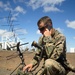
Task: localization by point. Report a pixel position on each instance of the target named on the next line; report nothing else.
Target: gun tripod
(16, 68)
(22, 61)
(21, 57)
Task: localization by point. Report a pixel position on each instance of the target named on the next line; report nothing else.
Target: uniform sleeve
(36, 57)
(59, 48)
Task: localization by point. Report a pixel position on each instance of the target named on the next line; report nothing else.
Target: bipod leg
(15, 69)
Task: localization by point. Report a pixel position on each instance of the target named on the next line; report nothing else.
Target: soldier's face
(43, 29)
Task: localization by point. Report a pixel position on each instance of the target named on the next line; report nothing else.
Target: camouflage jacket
(54, 46)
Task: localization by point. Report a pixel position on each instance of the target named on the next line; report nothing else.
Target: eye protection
(42, 29)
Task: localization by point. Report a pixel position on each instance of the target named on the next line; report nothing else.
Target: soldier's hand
(27, 67)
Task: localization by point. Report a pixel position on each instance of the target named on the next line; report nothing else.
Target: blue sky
(26, 13)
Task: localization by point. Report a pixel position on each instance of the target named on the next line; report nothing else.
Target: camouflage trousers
(52, 67)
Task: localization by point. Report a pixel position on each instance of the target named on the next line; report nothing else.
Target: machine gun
(22, 60)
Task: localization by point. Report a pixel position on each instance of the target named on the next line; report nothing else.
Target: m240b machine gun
(19, 71)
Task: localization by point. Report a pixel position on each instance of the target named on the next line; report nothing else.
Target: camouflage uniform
(54, 55)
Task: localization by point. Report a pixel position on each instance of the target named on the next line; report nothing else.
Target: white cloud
(34, 4)
(5, 6)
(14, 16)
(50, 8)
(48, 5)
(20, 9)
(38, 32)
(74, 37)
(21, 1)
(23, 31)
(5, 33)
(15, 11)
(70, 24)
(1, 4)
(2, 32)
(60, 30)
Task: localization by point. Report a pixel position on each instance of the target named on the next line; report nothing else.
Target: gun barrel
(36, 45)
(19, 45)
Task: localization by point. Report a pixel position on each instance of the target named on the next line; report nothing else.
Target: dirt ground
(9, 60)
